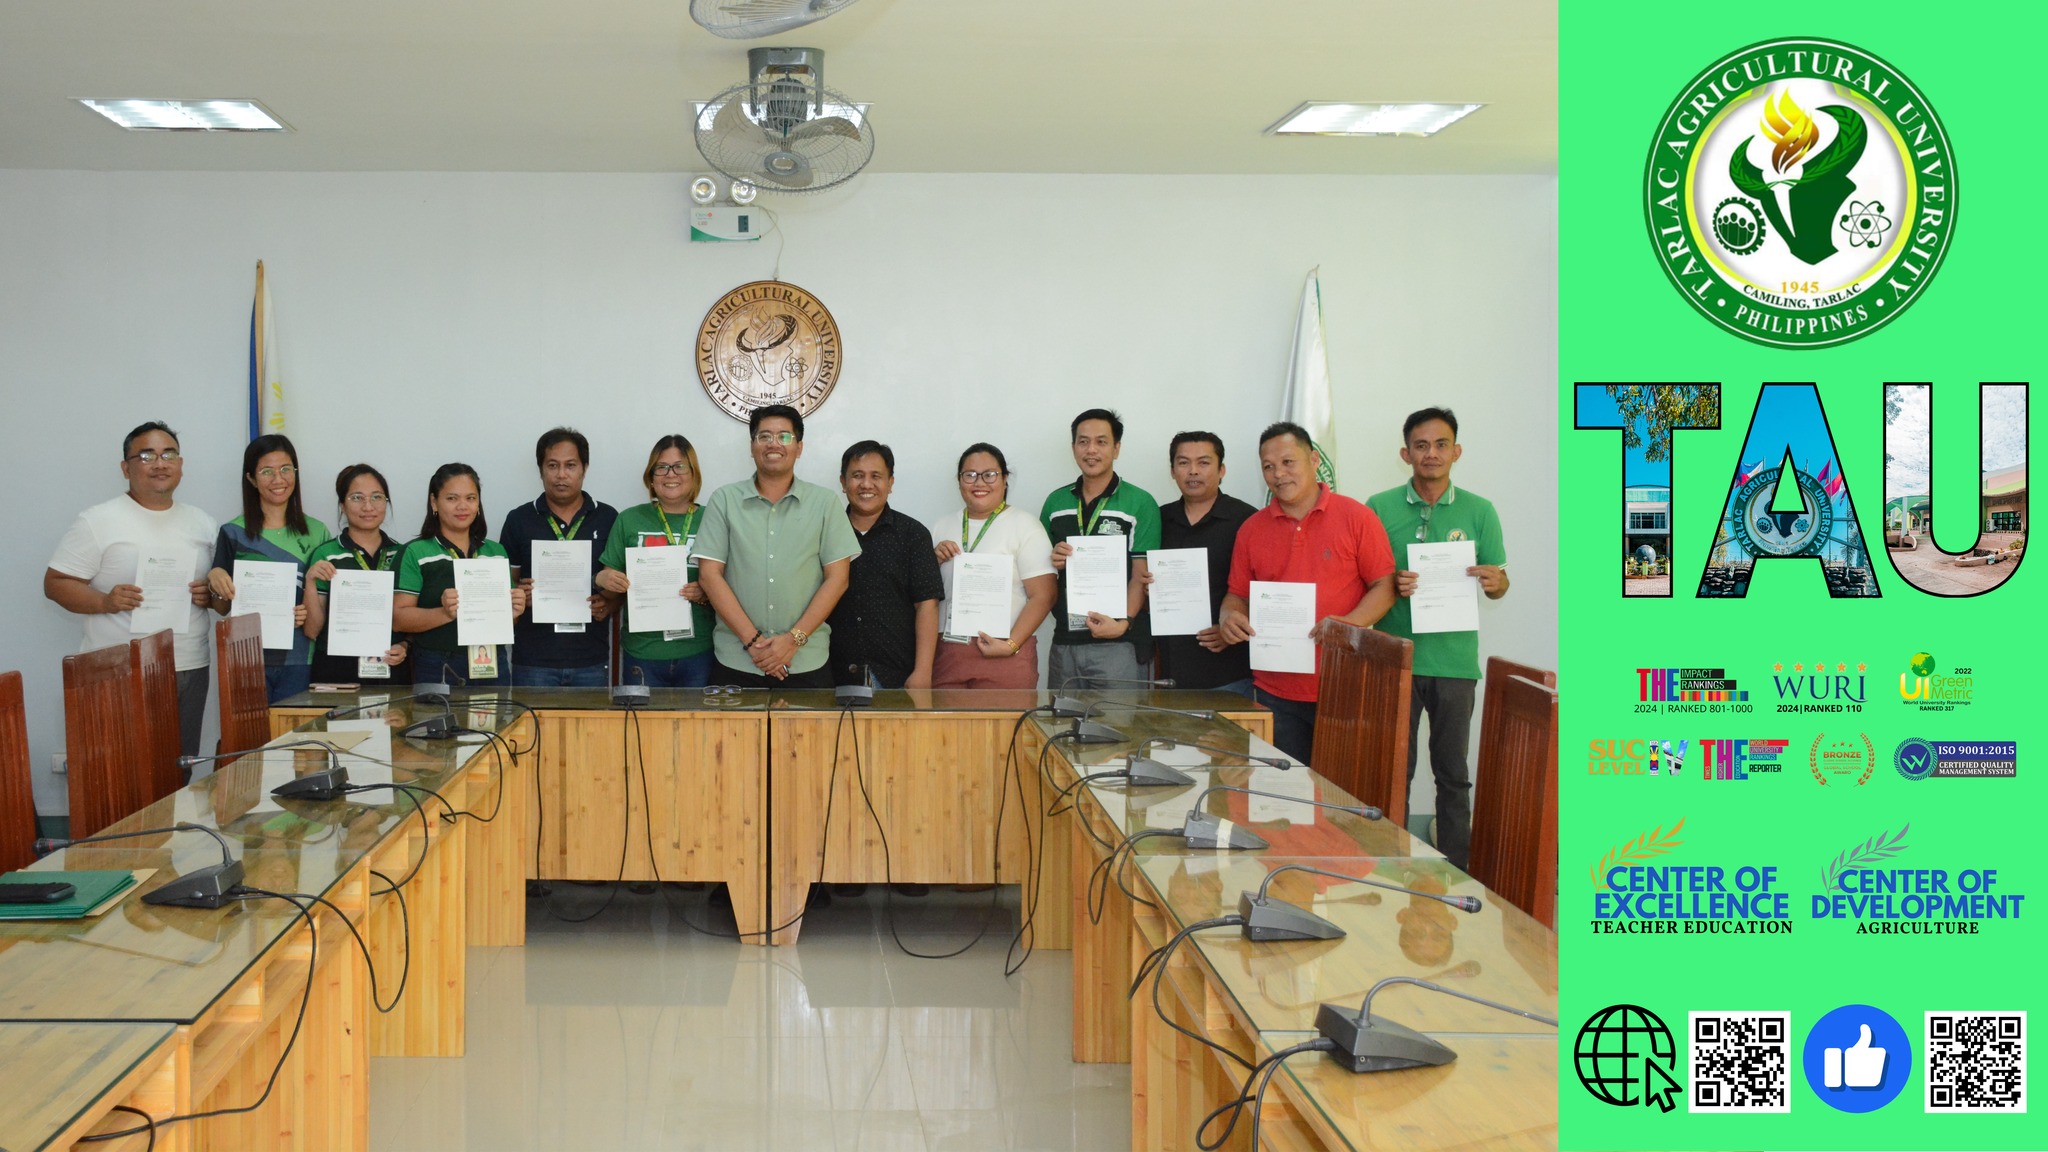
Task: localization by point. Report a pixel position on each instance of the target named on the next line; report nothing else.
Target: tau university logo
(1800, 193)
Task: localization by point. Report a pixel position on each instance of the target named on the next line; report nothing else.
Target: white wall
(427, 317)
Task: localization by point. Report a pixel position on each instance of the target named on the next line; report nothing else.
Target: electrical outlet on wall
(59, 763)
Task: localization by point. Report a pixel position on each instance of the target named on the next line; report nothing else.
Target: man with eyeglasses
(1430, 509)
(99, 572)
(1307, 535)
(774, 556)
(560, 655)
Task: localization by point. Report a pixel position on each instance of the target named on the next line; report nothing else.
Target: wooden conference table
(177, 1011)
(1259, 998)
(764, 791)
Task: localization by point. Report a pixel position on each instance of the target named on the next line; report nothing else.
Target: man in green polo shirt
(1108, 650)
(774, 555)
(1428, 509)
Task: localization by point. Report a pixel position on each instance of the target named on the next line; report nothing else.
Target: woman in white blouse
(990, 526)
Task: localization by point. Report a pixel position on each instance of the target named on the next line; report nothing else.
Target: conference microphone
(327, 784)
(433, 692)
(1280, 762)
(1267, 918)
(1368, 1045)
(1205, 831)
(1191, 713)
(212, 887)
(633, 695)
(1067, 706)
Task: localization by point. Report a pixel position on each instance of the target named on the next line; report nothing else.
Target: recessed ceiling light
(188, 115)
(1335, 118)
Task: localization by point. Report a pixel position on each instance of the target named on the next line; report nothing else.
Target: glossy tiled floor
(632, 1031)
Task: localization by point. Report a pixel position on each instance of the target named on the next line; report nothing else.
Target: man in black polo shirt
(1204, 517)
(560, 655)
(885, 630)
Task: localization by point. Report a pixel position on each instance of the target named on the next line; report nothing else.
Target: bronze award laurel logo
(768, 342)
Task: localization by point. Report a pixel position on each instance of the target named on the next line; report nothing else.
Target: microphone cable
(1154, 965)
(1262, 1072)
(625, 823)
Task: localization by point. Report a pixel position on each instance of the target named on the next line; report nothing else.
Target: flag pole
(258, 362)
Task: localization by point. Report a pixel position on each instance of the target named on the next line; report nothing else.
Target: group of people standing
(792, 585)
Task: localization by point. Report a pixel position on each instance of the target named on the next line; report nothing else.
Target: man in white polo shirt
(95, 570)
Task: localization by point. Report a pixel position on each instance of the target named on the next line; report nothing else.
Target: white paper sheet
(982, 589)
(483, 601)
(1097, 579)
(561, 582)
(165, 579)
(1179, 595)
(654, 590)
(269, 588)
(359, 613)
(1446, 599)
(1282, 614)
(1294, 782)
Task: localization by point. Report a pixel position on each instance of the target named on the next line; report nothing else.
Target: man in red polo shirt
(1307, 535)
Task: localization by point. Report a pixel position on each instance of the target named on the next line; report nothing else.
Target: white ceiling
(1140, 86)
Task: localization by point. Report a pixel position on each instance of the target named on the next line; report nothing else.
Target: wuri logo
(1800, 193)
(1921, 689)
(1819, 686)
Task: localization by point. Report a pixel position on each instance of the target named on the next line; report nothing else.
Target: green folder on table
(95, 889)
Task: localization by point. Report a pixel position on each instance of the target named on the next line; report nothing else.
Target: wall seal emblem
(768, 342)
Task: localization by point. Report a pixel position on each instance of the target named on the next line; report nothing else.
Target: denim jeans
(593, 676)
(1294, 725)
(688, 672)
(282, 681)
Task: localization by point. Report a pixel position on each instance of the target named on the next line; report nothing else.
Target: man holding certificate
(1101, 526)
(555, 544)
(1308, 556)
(885, 629)
(137, 564)
(1451, 549)
(1191, 571)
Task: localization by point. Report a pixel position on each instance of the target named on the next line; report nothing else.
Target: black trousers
(1448, 702)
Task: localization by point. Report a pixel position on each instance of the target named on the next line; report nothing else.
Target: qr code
(1739, 1062)
(1977, 1062)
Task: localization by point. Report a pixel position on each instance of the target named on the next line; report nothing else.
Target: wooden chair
(1514, 811)
(244, 698)
(104, 739)
(17, 793)
(154, 662)
(1362, 715)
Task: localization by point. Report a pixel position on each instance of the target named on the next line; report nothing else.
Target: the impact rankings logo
(1798, 194)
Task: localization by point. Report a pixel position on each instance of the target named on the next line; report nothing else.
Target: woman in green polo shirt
(363, 546)
(424, 603)
(663, 659)
(284, 535)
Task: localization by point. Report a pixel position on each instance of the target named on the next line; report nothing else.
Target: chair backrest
(1362, 715)
(17, 793)
(1499, 671)
(104, 742)
(1514, 814)
(154, 663)
(244, 699)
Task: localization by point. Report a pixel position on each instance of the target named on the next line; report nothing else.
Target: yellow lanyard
(689, 523)
(984, 526)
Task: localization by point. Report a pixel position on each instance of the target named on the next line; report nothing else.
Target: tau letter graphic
(1789, 500)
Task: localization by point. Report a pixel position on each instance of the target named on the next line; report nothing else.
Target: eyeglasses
(372, 499)
(988, 477)
(676, 469)
(1422, 529)
(151, 456)
(273, 473)
(765, 438)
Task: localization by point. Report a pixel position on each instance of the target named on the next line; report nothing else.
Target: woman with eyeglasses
(659, 659)
(989, 525)
(363, 546)
(425, 604)
(273, 527)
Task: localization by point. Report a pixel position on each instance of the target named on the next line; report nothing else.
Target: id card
(676, 634)
(483, 661)
(372, 668)
(570, 627)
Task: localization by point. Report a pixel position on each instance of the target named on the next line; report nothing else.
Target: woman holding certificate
(265, 565)
(371, 557)
(999, 578)
(454, 592)
(674, 652)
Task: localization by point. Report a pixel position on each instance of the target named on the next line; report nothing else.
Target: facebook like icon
(1857, 1058)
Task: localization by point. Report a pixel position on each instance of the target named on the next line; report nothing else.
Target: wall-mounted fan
(783, 130)
(753, 19)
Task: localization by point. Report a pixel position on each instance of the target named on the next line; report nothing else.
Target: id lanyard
(1101, 505)
(984, 526)
(689, 523)
(573, 527)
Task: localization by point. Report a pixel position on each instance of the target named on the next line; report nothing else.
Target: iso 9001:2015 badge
(1800, 193)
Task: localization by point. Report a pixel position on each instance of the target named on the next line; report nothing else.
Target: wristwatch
(802, 637)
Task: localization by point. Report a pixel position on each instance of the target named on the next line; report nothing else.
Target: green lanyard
(984, 526)
(571, 534)
(1101, 503)
(363, 559)
(453, 552)
(689, 523)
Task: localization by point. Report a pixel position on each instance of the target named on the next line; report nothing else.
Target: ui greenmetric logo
(1800, 193)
